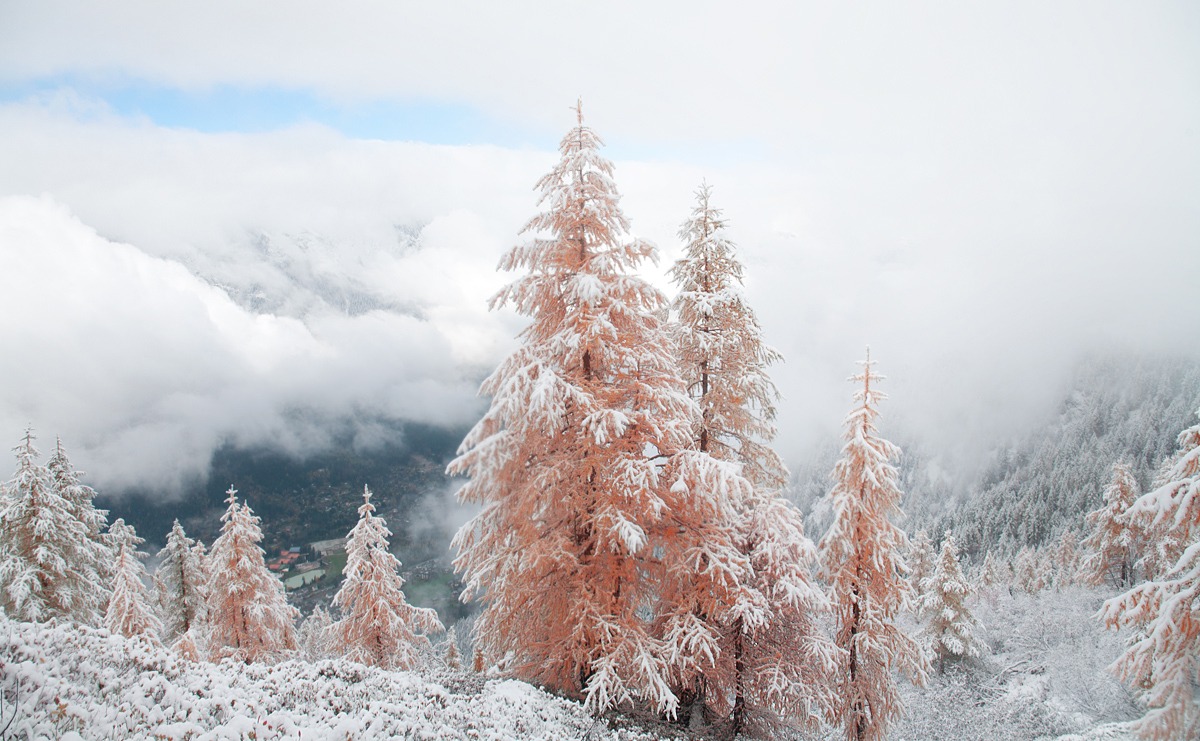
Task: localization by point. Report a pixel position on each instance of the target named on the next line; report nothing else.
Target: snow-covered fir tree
(1110, 550)
(49, 557)
(129, 612)
(179, 583)
(951, 627)
(315, 638)
(1162, 661)
(921, 565)
(249, 617)
(92, 557)
(378, 627)
(451, 655)
(568, 461)
(1065, 560)
(861, 559)
(771, 663)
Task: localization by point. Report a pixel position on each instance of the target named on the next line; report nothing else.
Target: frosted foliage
(314, 638)
(921, 565)
(951, 628)
(85, 683)
(1110, 550)
(179, 582)
(378, 627)
(1162, 660)
(860, 558)
(722, 357)
(249, 616)
(129, 611)
(54, 561)
(571, 500)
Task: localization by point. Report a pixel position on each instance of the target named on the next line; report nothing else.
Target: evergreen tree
(315, 637)
(1065, 557)
(860, 557)
(128, 611)
(92, 558)
(951, 627)
(1112, 545)
(47, 555)
(921, 565)
(378, 626)
(1162, 660)
(249, 618)
(451, 656)
(568, 462)
(769, 664)
(179, 582)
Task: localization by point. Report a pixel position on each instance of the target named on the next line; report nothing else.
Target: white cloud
(981, 193)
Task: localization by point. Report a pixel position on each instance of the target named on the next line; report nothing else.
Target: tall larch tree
(772, 663)
(921, 563)
(47, 555)
(378, 626)
(570, 460)
(249, 618)
(129, 612)
(1162, 660)
(861, 560)
(180, 585)
(1111, 548)
(951, 627)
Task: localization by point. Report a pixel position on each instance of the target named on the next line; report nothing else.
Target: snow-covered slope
(102, 686)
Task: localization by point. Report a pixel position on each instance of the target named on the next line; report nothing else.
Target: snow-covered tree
(770, 663)
(378, 627)
(48, 555)
(129, 612)
(722, 357)
(1065, 558)
(451, 656)
(1162, 660)
(92, 557)
(861, 559)
(951, 630)
(249, 617)
(179, 583)
(1111, 548)
(315, 638)
(921, 565)
(1031, 571)
(568, 461)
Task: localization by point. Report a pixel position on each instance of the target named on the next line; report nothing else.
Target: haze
(267, 224)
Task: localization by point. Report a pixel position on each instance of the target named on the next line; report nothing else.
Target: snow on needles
(102, 685)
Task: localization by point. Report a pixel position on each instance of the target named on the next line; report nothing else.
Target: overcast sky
(232, 221)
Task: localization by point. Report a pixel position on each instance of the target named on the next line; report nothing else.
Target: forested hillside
(1119, 409)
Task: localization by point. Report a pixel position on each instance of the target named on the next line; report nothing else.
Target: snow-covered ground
(101, 686)
(1044, 678)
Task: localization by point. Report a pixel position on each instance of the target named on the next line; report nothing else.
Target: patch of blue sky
(251, 110)
(226, 108)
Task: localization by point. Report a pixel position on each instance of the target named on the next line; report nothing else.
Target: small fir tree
(129, 612)
(315, 637)
(921, 565)
(1066, 560)
(249, 618)
(92, 557)
(179, 581)
(1111, 548)
(951, 630)
(1162, 660)
(861, 560)
(378, 626)
(451, 656)
(47, 556)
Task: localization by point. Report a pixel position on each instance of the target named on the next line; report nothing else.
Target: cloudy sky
(254, 222)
